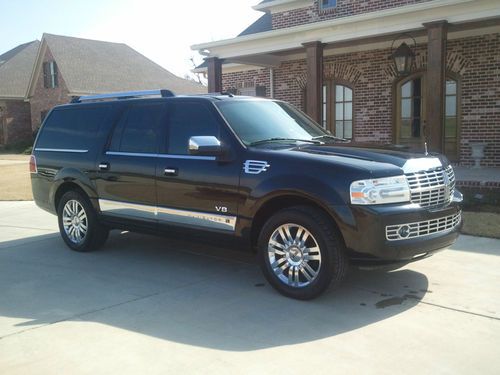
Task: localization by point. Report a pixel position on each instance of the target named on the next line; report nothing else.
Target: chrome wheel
(75, 221)
(294, 255)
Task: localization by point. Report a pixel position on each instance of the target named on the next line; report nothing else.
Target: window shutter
(56, 75)
(46, 75)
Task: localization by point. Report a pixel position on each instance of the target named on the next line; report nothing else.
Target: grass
(484, 224)
(15, 178)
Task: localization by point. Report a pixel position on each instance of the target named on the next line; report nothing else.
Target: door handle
(103, 166)
(171, 171)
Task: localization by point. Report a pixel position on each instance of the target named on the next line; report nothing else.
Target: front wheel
(300, 252)
(78, 223)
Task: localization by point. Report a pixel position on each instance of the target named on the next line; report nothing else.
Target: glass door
(410, 113)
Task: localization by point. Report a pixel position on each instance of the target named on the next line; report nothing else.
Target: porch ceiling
(273, 60)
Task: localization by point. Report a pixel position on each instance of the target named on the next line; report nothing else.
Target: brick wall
(475, 60)
(344, 8)
(15, 122)
(44, 99)
(480, 86)
(241, 80)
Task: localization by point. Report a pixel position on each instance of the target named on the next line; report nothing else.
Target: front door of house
(410, 129)
(410, 113)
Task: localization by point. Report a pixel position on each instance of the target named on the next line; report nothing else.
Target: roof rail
(123, 95)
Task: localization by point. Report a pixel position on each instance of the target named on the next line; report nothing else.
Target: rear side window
(72, 128)
(186, 120)
(138, 129)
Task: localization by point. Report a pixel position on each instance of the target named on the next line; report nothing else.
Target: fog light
(404, 231)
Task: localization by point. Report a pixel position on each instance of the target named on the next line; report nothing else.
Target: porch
(469, 177)
(341, 73)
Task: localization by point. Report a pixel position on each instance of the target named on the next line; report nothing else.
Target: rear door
(197, 191)
(126, 167)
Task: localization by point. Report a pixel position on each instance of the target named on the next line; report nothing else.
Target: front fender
(311, 189)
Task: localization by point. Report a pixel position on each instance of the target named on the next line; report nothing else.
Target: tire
(78, 223)
(301, 269)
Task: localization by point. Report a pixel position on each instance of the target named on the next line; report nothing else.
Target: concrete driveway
(147, 305)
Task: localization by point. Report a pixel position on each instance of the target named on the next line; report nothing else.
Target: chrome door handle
(171, 171)
(103, 166)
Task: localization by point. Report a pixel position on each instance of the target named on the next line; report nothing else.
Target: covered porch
(343, 73)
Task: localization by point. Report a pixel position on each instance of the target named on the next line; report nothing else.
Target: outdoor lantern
(403, 59)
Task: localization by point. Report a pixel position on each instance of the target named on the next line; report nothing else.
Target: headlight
(380, 191)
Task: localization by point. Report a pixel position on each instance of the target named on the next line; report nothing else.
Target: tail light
(33, 168)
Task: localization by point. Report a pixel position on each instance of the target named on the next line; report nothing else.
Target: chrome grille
(433, 187)
(421, 228)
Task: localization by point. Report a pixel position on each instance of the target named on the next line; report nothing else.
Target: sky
(161, 30)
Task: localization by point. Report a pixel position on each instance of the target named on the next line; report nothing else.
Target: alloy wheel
(294, 255)
(75, 221)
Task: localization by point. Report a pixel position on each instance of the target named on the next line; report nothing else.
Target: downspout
(271, 82)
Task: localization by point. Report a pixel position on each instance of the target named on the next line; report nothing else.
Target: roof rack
(124, 95)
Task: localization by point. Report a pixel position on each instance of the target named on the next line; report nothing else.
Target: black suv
(254, 170)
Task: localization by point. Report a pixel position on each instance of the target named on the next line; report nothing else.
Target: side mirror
(205, 145)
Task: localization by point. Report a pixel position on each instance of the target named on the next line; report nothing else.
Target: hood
(369, 152)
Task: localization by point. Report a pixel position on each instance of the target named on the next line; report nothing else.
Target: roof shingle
(264, 23)
(90, 66)
(15, 72)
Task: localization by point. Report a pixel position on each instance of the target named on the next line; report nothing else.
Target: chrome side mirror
(204, 145)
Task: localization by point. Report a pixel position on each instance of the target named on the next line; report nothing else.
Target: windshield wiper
(283, 139)
(338, 139)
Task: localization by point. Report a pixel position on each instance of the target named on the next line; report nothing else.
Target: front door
(410, 113)
(196, 191)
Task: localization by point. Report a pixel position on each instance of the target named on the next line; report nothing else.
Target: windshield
(258, 121)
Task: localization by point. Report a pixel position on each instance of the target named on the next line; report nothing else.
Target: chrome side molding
(163, 156)
(168, 215)
(61, 150)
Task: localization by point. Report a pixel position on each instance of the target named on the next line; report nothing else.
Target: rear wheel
(78, 223)
(300, 252)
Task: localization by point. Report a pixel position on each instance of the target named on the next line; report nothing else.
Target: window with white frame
(337, 109)
(328, 4)
(50, 75)
(343, 111)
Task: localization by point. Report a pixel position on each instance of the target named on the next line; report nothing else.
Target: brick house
(16, 66)
(36, 76)
(334, 59)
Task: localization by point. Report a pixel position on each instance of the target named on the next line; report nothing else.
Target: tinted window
(186, 120)
(72, 128)
(256, 120)
(138, 128)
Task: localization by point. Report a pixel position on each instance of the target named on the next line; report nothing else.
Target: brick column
(214, 74)
(436, 79)
(314, 52)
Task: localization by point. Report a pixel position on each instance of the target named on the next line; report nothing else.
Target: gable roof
(91, 67)
(264, 23)
(15, 71)
(14, 51)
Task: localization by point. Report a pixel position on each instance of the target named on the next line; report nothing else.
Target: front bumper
(376, 236)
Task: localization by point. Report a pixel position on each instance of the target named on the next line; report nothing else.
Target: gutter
(304, 29)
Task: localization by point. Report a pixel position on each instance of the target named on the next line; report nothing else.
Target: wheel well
(64, 188)
(276, 204)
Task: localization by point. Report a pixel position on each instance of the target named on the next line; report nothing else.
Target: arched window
(337, 109)
(410, 111)
(451, 118)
